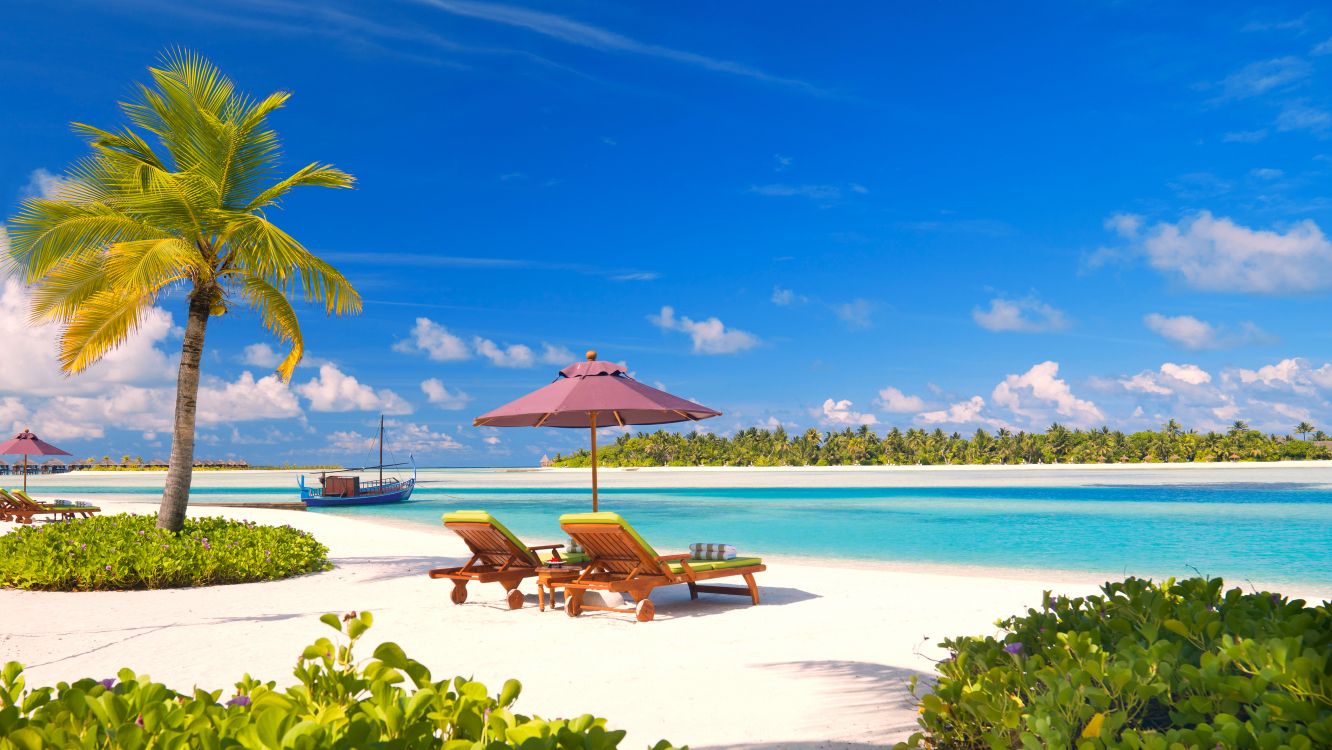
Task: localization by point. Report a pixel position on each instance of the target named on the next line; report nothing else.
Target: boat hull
(396, 495)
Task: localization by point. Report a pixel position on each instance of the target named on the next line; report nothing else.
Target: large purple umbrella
(27, 444)
(592, 393)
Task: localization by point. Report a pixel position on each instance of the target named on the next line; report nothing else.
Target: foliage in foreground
(1179, 664)
(865, 447)
(339, 703)
(126, 551)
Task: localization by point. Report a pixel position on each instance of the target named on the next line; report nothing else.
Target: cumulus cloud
(1218, 255)
(786, 297)
(1295, 374)
(709, 336)
(513, 355)
(246, 398)
(893, 400)
(556, 355)
(435, 340)
(841, 413)
(442, 397)
(336, 391)
(45, 184)
(261, 355)
(415, 439)
(1034, 393)
(961, 413)
(1029, 315)
(30, 364)
(1167, 380)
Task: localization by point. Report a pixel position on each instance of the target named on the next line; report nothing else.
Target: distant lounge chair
(621, 561)
(497, 556)
(19, 507)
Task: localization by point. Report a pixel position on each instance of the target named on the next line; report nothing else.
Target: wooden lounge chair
(497, 556)
(68, 511)
(18, 507)
(621, 561)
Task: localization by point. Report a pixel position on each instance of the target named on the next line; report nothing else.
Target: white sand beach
(823, 662)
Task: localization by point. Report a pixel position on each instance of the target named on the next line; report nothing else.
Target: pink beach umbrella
(27, 444)
(592, 393)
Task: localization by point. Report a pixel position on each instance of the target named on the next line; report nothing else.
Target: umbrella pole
(25, 473)
(594, 460)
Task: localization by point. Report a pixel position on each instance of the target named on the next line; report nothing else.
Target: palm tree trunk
(180, 470)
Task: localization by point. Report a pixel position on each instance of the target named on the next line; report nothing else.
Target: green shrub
(116, 552)
(339, 703)
(1145, 665)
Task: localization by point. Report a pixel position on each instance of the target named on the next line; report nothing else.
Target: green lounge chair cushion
(480, 516)
(701, 565)
(608, 518)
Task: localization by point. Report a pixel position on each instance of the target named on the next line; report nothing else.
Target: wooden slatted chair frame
(495, 559)
(18, 510)
(67, 512)
(619, 563)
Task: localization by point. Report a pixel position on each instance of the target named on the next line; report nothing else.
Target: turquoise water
(1261, 532)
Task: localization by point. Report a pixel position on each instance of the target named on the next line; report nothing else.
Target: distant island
(865, 447)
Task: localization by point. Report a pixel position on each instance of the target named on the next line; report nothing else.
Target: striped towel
(572, 547)
(703, 551)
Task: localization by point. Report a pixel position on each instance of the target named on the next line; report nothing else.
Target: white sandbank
(823, 662)
(1056, 475)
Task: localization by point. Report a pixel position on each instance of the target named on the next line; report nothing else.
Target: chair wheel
(645, 610)
(573, 605)
(515, 599)
(459, 594)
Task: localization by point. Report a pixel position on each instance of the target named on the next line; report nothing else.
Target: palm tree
(1239, 428)
(1303, 429)
(134, 225)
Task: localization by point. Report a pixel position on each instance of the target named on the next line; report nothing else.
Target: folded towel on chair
(710, 551)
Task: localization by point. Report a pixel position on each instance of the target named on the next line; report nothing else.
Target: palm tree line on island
(133, 225)
(865, 447)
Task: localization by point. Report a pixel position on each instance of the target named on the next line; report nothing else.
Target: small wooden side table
(550, 578)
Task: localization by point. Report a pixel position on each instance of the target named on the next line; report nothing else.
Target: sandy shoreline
(824, 661)
(1057, 475)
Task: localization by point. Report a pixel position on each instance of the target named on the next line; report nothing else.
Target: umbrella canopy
(27, 444)
(591, 394)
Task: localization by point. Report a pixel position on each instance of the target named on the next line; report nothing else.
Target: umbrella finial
(591, 355)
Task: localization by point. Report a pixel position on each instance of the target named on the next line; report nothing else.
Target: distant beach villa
(545, 462)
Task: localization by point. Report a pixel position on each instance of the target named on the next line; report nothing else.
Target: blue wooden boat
(338, 490)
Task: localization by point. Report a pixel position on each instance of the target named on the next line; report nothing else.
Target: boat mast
(381, 451)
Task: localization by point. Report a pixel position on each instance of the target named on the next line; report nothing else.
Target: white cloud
(44, 184)
(442, 397)
(1294, 374)
(1145, 382)
(709, 336)
(856, 313)
(491, 440)
(336, 391)
(1042, 385)
(841, 413)
(1191, 374)
(1267, 173)
(1264, 76)
(1301, 116)
(246, 399)
(514, 355)
(821, 193)
(1185, 330)
(435, 340)
(1195, 334)
(260, 355)
(1216, 254)
(962, 412)
(556, 355)
(409, 437)
(893, 400)
(786, 297)
(1029, 315)
(30, 364)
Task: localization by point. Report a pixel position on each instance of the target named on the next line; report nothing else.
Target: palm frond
(315, 175)
(278, 316)
(46, 231)
(60, 293)
(101, 323)
(148, 265)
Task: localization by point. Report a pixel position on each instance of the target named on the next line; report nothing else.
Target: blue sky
(940, 216)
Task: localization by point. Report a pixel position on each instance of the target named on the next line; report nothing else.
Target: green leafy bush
(1145, 665)
(339, 703)
(116, 552)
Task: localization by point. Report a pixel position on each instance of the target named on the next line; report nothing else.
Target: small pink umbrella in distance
(27, 444)
(592, 393)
